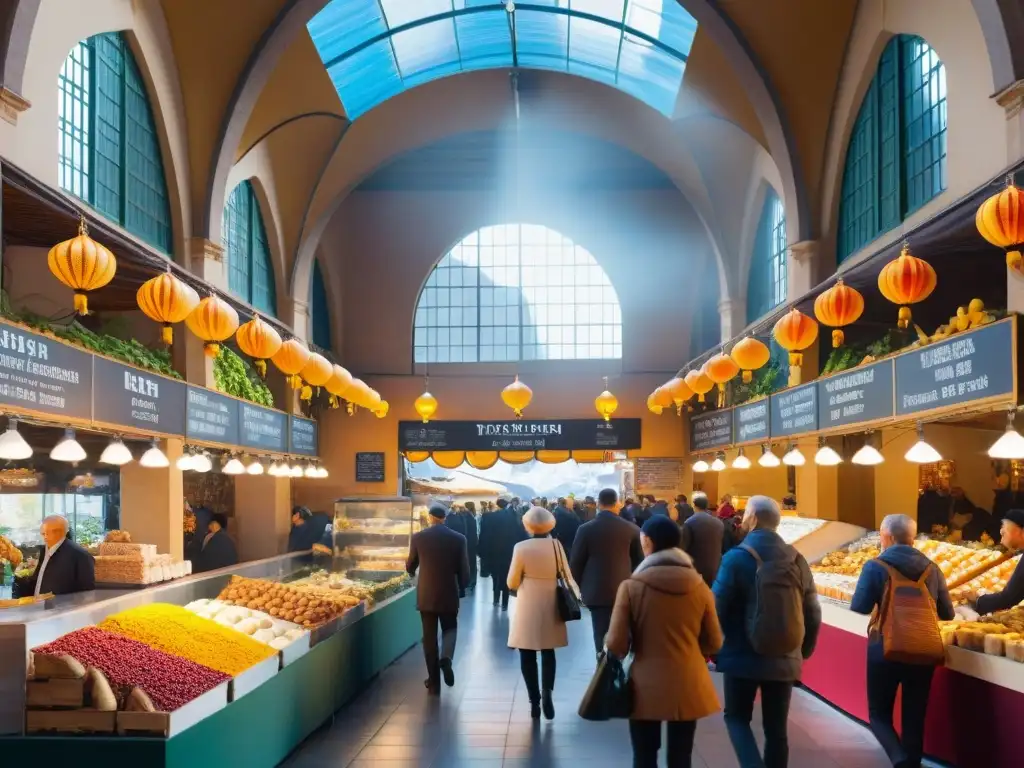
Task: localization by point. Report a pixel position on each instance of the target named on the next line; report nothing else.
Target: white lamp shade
(741, 462)
(255, 468)
(274, 470)
(717, 465)
(68, 448)
(296, 471)
(201, 462)
(154, 458)
(769, 459)
(116, 453)
(794, 458)
(310, 471)
(12, 445)
(700, 466)
(322, 472)
(868, 456)
(234, 467)
(185, 462)
(1009, 446)
(827, 457)
(922, 453)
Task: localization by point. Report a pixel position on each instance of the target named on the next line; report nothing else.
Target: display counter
(240, 721)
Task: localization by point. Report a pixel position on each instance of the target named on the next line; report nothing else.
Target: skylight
(375, 49)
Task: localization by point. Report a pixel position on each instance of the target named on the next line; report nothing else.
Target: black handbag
(610, 693)
(569, 608)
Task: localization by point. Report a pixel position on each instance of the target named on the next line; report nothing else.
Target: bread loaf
(139, 701)
(47, 667)
(100, 693)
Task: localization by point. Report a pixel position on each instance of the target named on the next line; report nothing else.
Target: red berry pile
(169, 680)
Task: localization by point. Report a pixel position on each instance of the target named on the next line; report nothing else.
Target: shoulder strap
(558, 560)
(753, 553)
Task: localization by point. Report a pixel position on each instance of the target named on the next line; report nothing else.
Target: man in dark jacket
(64, 567)
(702, 540)
(886, 677)
(745, 669)
(218, 550)
(497, 540)
(683, 510)
(566, 526)
(1011, 536)
(303, 535)
(440, 555)
(605, 553)
(463, 520)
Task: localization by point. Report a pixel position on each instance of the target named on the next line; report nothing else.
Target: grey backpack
(775, 620)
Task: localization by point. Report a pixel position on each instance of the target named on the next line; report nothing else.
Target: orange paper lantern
(82, 265)
(795, 332)
(426, 406)
(652, 406)
(290, 359)
(679, 391)
(1000, 220)
(663, 397)
(606, 403)
(165, 299)
(213, 321)
(838, 306)
(316, 373)
(338, 384)
(721, 368)
(699, 383)
(517, 396)
(906, 280)
(750, 354)
(259, 341)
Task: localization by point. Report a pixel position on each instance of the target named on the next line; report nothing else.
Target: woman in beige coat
(665, 614)
(536, 624)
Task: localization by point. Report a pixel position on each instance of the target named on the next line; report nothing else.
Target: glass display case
(372, 535)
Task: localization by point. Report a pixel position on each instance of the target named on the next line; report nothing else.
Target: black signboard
(795, 411)
(710, 430)
(370, 467)
(41, 374)
(750, 422)
(863, 394)
(135, 398)
(262, 428)
(969, 366)
(302, 436)
(211, 417)
(533, 435)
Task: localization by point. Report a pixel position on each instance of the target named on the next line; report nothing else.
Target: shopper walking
(605, 552)
(439, 554)
(536, 626)
(462, 519)
(702, 536)
(567, 524)
(901, 567)
(769, 612)
(683, 510)
(503, 531)
(665, 614)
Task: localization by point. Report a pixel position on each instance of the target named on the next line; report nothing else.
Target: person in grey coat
(604, 554)
(702, 539)
(744, 669)
(440, 555)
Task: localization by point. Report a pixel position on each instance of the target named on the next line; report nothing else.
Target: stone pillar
(295, 313)
(152, 502)
(206, 260)
(11, 105)
(802, 268)
(817, 487)
(1011, 99)
(262, 515)
(733, 317)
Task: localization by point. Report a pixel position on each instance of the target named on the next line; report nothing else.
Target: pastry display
(835, 585)
(261, 627)
(285, 601)
(370, 591)
(959, 564)
(989, 582)
(792, 529)
(9, 552)
(850, 560)
(380, 526)
(122, 561)
(173, 630)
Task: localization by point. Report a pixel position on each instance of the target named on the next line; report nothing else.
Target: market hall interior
(588, 197)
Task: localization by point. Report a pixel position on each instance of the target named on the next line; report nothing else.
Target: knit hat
(1015, 516)
(438, 511)
(662, 532)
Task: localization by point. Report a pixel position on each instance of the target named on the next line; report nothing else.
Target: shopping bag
(610, 694)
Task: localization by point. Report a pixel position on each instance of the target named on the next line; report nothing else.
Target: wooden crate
(70, 721)
(144, 723)
(56, 693)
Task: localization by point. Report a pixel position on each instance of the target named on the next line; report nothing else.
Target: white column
(802, 268)
(733, 316)
(1011, 99)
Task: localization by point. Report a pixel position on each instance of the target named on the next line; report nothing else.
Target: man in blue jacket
(1011, 535)
(886, 677)
(746, 670)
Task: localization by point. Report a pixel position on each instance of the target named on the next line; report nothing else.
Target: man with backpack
(769, 612)
(905, 653)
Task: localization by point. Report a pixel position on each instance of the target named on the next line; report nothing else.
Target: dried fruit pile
(172, 629)
(296, 604)
(170, 681)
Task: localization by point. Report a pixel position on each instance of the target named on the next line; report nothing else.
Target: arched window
(517, 292)
(108, 152)
(896, 159)
(766, 286)
(320, 316)
(250, 274)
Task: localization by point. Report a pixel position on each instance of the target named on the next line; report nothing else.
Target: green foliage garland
(236, 377)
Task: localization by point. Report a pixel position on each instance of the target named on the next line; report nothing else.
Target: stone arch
(16, 27)
(1002, 24)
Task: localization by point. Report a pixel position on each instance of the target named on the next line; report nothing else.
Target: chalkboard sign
(555, 435)
(969, 366)
(303, 436)
(211, 417)
(263, 428)
(863, 394)
(711, 430)
(794, 411)
(661, 478)
(131, 397)
(41, 374)
(370, 467)
(750, 422)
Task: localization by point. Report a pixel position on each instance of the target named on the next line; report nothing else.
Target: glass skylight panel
(484, 40)
(367, 78)
(344, 25)
(606, 9)
(542, 39)
(401, 12)
(426, 52)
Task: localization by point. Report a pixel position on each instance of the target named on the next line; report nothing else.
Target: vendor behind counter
(308, 528)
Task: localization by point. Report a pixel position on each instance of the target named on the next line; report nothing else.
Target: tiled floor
(484, 722)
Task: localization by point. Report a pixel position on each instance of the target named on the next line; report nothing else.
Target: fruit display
(173, 630)
(943, 533)
(9, 552)
(286, 601)
(959, 564)
(792, 529)
(261, 627)
(168, 680)
(991, 581)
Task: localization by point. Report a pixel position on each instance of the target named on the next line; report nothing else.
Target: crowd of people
(684, 589)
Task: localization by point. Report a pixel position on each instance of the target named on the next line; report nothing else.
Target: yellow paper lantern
(290, 359)
(653, 406)
(1000, 220)
(417, 457)
(82, 265)
(260, 341)
(553, 457)
(906, 280)
(517, 396)
(166, 300)
(679, 391)
(699, 383)
(839, 306)
(663, 397)
(338, 384)
(316, 373)
(606, 403)
(795, 332)
(516, 457)
(213, 321)
(359, 394)
(426, 406)
(382, 409)
(750, 354)
(448, 459)
(721, 369)
(481, 459)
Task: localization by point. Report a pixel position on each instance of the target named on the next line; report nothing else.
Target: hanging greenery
(852, 355)
(236, 377)
(765, 381)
